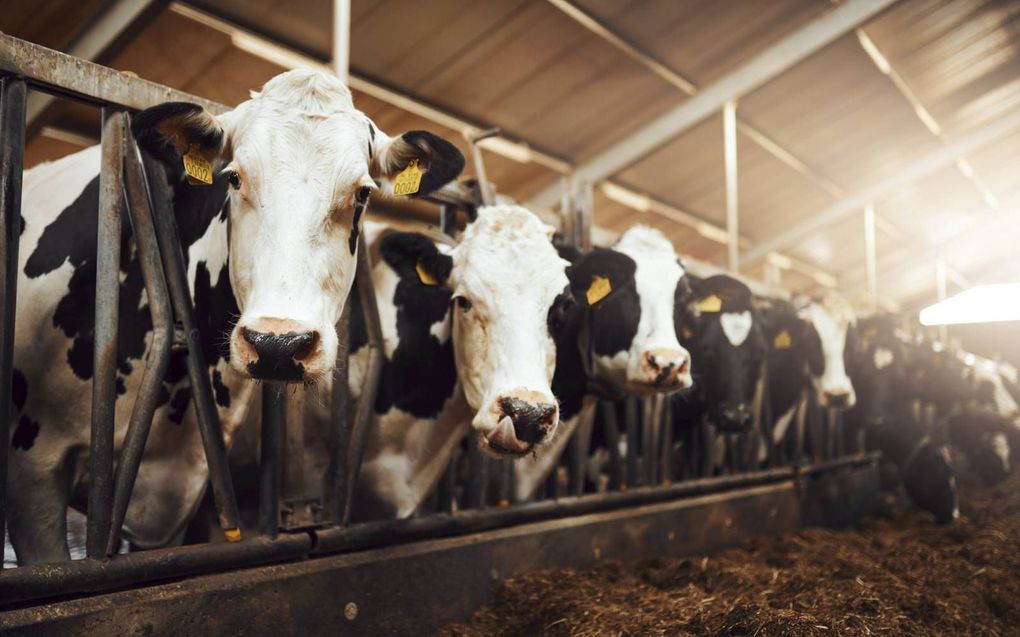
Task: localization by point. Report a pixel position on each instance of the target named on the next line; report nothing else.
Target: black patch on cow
(221, 390)
(614, 319)
(185, 119)
(71, 238)
(569, 383)
(352, 242)
(23, 226)
(371, 138)
(440, 159)
(420, 375)
(179, 404)
(25, 433)
(788, 367)
(19, 389)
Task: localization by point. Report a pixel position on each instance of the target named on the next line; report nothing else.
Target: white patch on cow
(656, 277)
(440, 330)
(736, 326)
(1001, 447)
(1005, 405)
(509, 271)
(831, 319)
(883, 357)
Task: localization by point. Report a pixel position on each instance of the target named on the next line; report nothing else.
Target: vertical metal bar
(504, 480)
(104, 361)
(478, 483)
(630, 417)
(341, 38)
(366, 401)
(585, 203)
(447, 488)
(270, 474)
(335, 480)
(198, 371)
(484, 187)
(552, 483)
(611, 429)
(158, 298)
(567, 210)
(666, 443)
(870, 256)
(447, 219)
(12, 149)
(732, 216)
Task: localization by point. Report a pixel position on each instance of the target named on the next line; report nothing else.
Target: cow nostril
(305, 345)
(531, 421)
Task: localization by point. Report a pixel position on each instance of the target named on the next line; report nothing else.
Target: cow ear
(438, 159)
(169, 131)
(415, 256)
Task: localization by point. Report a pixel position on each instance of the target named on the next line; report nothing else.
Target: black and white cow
(833, 319)
(469, 335)
(719, 327)
(270, 249)
(912, 457)
(620, 339)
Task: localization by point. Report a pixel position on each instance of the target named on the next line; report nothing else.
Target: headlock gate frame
(388, 568)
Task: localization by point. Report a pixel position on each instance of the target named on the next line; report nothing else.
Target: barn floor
(896, 576)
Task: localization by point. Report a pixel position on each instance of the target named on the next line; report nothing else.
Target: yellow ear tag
(598, 290)
(686, 332)
(782, 340)
(197, 167)
(710, 303)
(871, 333)
(408, 181)
(424, 275)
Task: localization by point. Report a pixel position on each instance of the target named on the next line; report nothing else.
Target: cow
(470, 333)
(620, 339)
(883, 413)
(833, 318)
(270, 248)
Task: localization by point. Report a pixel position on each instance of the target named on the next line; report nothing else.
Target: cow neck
(586, 347)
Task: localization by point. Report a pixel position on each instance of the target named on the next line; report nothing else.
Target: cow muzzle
(837, 399)
(663, 371)
(277, 349)
(523, 419)
(733, 418)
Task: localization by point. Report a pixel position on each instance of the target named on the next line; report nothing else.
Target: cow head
(931, 484)
(878, 369)
(630, 294)
(833, 319)
(509, 290)
(717, 323)
(301, 163)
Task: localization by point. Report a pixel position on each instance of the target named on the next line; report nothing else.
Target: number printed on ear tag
(598, 290)
(197, 168)
(408, 181)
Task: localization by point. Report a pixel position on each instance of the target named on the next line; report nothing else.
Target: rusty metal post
(104, 361)
(335, 480)
(270, 459)
(376, 357)
(12, 149)
(140, 214)
(198, 371)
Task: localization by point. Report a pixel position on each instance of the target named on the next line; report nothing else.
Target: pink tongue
(504, 436)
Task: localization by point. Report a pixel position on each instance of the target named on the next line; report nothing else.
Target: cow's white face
(506, 276)
(301, 163)
(833, 387)
(655, 361)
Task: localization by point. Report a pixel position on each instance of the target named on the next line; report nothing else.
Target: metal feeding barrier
(646, 477)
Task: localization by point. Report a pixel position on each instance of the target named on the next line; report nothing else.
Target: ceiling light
(980, 304)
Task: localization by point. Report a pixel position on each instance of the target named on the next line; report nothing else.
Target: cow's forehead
(507, 250)
(649, 246)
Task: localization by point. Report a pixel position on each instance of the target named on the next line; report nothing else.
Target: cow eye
(234, 179)
(462, 303)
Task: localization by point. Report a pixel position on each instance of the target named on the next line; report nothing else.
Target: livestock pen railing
(645, 475)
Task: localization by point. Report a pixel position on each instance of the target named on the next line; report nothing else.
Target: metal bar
(158, 298)
(335, 480)
(730, 160)
(630, 417)
(484, 187)
(478, 484)
(366, 401)
(104, 361)
(270, 457)
(447, 488)
(342, 38)
(924, 166)
(779, 57)
(611, 429)
(504, 481)
(870, 256)
(198, 371)
(666, 443)
(12, 132)
(54, 72)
